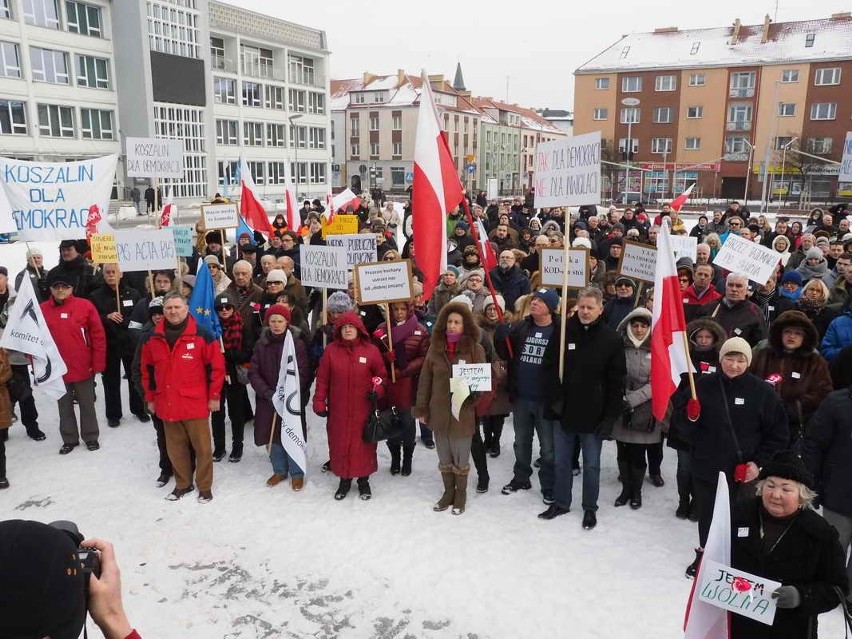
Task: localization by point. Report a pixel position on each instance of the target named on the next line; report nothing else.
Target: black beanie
(788, 465)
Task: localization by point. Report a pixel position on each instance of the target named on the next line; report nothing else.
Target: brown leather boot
(447, 498)
(460, 499)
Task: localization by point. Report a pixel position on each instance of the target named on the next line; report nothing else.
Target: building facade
(223, 80)
(747, 111)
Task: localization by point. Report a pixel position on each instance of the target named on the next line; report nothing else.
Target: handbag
(844, 605)
(242, 375)
(382, 424)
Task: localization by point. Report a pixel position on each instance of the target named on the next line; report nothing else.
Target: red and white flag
(703, 620)
(681, 199)
(250, 207)
(342, 200)
(486, 250)
(436, 191)
(669, 357)
(294, 220)
(96, 223)
(168, 209)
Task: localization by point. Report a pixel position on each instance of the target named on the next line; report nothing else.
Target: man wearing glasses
(735, 225)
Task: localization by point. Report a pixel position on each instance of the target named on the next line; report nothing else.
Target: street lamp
(295, 135)
(783, 163)
(629, 102)
(748, 171)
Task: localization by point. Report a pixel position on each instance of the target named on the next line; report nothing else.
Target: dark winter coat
(441, 296)
(805, 381)
(344, 379)
(827, 451)
(500, 403)
(80, 274)
(263, 377)
(517, 334)
(742, 319)
(808, 556)
(5, 400)
(821, 315)
(511, 284)
(433, 390)
(409, 354)
(38, 279)
(79, 335)
(616, 309)
(773, 306)
(247, 302)
(104, 298)
(759, 421)
(180, 381)
(838, 335)
(590, 397)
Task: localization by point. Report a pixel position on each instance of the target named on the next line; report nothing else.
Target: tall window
(630, 115)
(316, 103)
(298, 136)
(316, 138)
(224, 90)
(631, 84)
(374, 150)
(174, 29)
(253, 133)
(742, 84)
(374, 123)
(84, 19)
(10, 60)
(397, 150)
(56, 121)
(5, 12)
(661, 145)
(256, 170)
(273, 97)
(396, 121)
(826, 77)
(217, 53)
(601, 84)
(740, 113)
(96, 124)
(187, 124)
(823, 110)
(697, 79)
(353, 126)
(252, 94)
(256, 61)
(662, 115)
(226, 132)
(49, 65)
(301, 70)
(296, 100)
(92, 72)
(275, 135)
(41, 13)
(736, 144)
(665, 83)
(13, 117)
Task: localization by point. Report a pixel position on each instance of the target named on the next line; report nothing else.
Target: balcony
(737, 92)
(221, 63)
(308, 79)
(738, 125)
(740, 156)
(255, 69)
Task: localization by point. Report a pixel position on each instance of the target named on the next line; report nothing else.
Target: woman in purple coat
(263, 376)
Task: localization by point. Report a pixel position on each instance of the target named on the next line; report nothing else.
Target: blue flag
(202, 300)
(244, 228)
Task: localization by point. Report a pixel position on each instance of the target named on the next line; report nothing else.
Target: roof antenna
(776, 11)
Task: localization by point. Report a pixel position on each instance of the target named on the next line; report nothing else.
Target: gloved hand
(373, 396)
(693, 409)
(787, 597)
(379, 334)
(626, 407)
(390, 357)
(320, 410)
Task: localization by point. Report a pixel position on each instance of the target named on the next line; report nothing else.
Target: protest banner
(324, 266)
(737, 591)
(568, 171)
(51, 200)
(220, 216)
(478, 376)
(183, 239)
(579, 268)
(739, 255)
(154, 158)
(684, 246)
(341, 225)
(638, 261)
(845, 174)
(103, 248)
(145, 250)
(383, 282)
(360, 248)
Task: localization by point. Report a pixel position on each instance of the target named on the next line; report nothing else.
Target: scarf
(816, 272)
(232, 332)
(452, 344)
(174, 331)
(633, 339)
(810, 307)
(792, 295)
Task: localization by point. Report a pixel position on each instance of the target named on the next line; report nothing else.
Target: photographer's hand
(105, 604)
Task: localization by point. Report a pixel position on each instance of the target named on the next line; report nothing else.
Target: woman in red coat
(345, 392)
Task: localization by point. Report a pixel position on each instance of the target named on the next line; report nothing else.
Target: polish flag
(294, 220)
(95, 223)
(343, 199)
(168, 208)
(486, 250)
(250, 207)
(669, 357)
(681, 199)
(436, 191)
(705, 621)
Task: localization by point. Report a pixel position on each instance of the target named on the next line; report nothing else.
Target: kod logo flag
(51, 200)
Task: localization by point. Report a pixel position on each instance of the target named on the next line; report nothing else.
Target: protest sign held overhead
(741, 256)
(324, 266)
(568, 171)
(384, 282)
(51, 200)
(140, 250)
(220, 216)
(103, 248)
(638, 261)
(154, 158)
(360, 248)
(341, 225)
(552, 270)
(183, 239)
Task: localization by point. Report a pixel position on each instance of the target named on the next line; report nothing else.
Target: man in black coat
(115, 302)
(509, 280)
(739, 316)
(72, 265)
(589, 400)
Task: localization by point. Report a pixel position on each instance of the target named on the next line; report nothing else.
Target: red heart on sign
(741, 584)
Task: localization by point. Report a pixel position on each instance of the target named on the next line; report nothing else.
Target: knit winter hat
(156, 305)
(549, 297)
(463, 299)
(451, 269)
(813, 254)
(583, 242)
(189, 280)
(787, 465)
(213, 237)
(500, 302)
(736, 345)
(338, 302)
(792, 276)
(212, 259)
(461, 224)
(276, 275)
(277, 309)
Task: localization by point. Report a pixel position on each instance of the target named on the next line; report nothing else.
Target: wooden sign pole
(388, 322)
(563, 316)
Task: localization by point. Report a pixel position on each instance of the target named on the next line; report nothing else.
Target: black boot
(682, 511)
(236, 452)
(692, 568)
(395, 452)
(364, 488)
(343, 489)
(623, 477)
(407, 454)
(637, 476)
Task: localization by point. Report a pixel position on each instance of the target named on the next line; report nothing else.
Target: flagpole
(118, 295)
(324, 316)
(272, 433)
(689, 370)
(563, 317)
(30, 255)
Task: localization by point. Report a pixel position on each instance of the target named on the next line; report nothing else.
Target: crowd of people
(773, 364)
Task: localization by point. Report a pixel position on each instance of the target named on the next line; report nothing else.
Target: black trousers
(705, 498)
(234, 395)
(655, 458)
(116, 357)
(165, 462)
(406, 438)
(492, 428)
(478, 453)
(29, 412)
(3, 455)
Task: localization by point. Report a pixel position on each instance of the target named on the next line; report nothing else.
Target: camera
(90, 560)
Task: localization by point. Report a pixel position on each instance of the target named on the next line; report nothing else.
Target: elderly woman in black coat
(777, 535)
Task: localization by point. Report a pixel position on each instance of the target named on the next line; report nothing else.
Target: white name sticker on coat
(127, 303)
(796, 375)
(362, 360)
(742, 531)
(63, 315)
(737, 331)
(190, 346)
(572, 347)
(418, 333)
(739, 401)
(538, 335)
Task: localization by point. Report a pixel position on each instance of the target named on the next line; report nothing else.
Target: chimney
(766, 22)
(843, 15)
(400, 77)
(735, 36)
(368, 77)
(666, 30)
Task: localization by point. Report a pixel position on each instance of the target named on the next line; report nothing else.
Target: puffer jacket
(79, 335)
(838, 335)
(827, 449)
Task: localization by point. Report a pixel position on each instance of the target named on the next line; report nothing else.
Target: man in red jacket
(182, 375)
(76, 328)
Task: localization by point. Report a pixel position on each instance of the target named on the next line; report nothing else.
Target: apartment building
(745, 110)
(77, 78)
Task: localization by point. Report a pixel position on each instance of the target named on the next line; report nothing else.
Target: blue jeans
(590, 443)
(282, 463)
(528, 417)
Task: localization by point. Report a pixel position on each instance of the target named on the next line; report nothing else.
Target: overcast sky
(536, 44)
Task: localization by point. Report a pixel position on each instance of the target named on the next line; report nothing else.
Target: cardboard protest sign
(739, 255)
(360, 248)
(324, 266)
(638, 261)
(103, 248)
(183, 239)
(383, 282)
(341, 225)
(220, 216)
(739, 592)
(51, 200)
(684, 246)
(845, 174)
(552, 272)
(143, 250)
(154, 157)
(568, 171)
(478, 376)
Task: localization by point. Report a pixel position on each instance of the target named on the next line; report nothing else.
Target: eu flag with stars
(201, 301)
